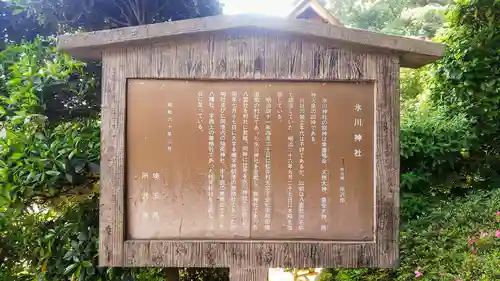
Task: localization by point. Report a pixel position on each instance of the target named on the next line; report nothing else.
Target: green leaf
(81, 274)
(79, 167)
(17, 11)
(77, 273)
(17, 155)
(90, 270)
(82, 236)
(40, 136)
(68, 255)
(72, 154)
(69, 177)
(70, 268)
(52, 173)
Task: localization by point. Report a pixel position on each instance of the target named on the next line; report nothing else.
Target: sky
(267, 7)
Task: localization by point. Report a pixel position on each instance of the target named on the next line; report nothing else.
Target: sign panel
(250, 160)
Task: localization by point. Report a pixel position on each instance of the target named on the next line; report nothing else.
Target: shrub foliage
(49, 161)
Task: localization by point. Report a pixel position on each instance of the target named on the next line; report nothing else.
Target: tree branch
(69, 190)
(122, 12)
(121, 23)
(137, 10)
(163, 6)
(66, 20)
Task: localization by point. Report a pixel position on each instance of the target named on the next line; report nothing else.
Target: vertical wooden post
(248, 274)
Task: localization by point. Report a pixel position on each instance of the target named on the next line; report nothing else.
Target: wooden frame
(248, 55)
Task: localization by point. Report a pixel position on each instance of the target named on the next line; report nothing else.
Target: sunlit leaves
(467, 80)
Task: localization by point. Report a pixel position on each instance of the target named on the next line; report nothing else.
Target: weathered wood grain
(250, 254)
(111, 207)
(250, 55)
(255, 56)
(414, 52)
(387, 168)
(248, 274)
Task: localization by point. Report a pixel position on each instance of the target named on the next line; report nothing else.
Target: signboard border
(115, 251)
(170, 83)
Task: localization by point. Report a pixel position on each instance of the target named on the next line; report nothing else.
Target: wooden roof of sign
(413, 53)
(313, 10)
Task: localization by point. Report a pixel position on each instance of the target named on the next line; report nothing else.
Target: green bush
(439, 245)
(48, 168)
(49, 155)
(36, 79)
(432, 147)
(467, 80)
(42, 157)
(49, 171)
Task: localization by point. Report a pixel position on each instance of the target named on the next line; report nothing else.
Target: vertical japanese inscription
(145, 194)
(256, 161)
(170, 112)
(358, 122)
(211, 151)
(312, 120)
(278, 123)
(267, 182)
(222, 156)
(199, 104)
(290, 164)
(234, 96)
(244, 155)
(279, 108)
(302, 118)
(324, 161)
(342, 183)
(156, 214)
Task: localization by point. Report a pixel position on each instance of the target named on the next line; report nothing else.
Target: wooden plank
(183, 63)
(308, 57)
(246, 56)
(249, 254)
(248, 274)
(387, 147)
(193, 57)
(139, 62)
(88, 45)
(259, 44)
(111, 231)
(164, 59)
(233, 61)
(254, 56)
(257, 57)
(139, 254)
(270, 58)
(132, 69)
(144, 61)
(219, 56)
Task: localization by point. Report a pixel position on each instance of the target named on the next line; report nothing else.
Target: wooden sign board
(250, 160)
(249, 142)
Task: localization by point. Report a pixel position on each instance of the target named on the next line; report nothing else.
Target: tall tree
(15, 25)
(403, 17)
(467, 80)
(103, 14)
(49, 169)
